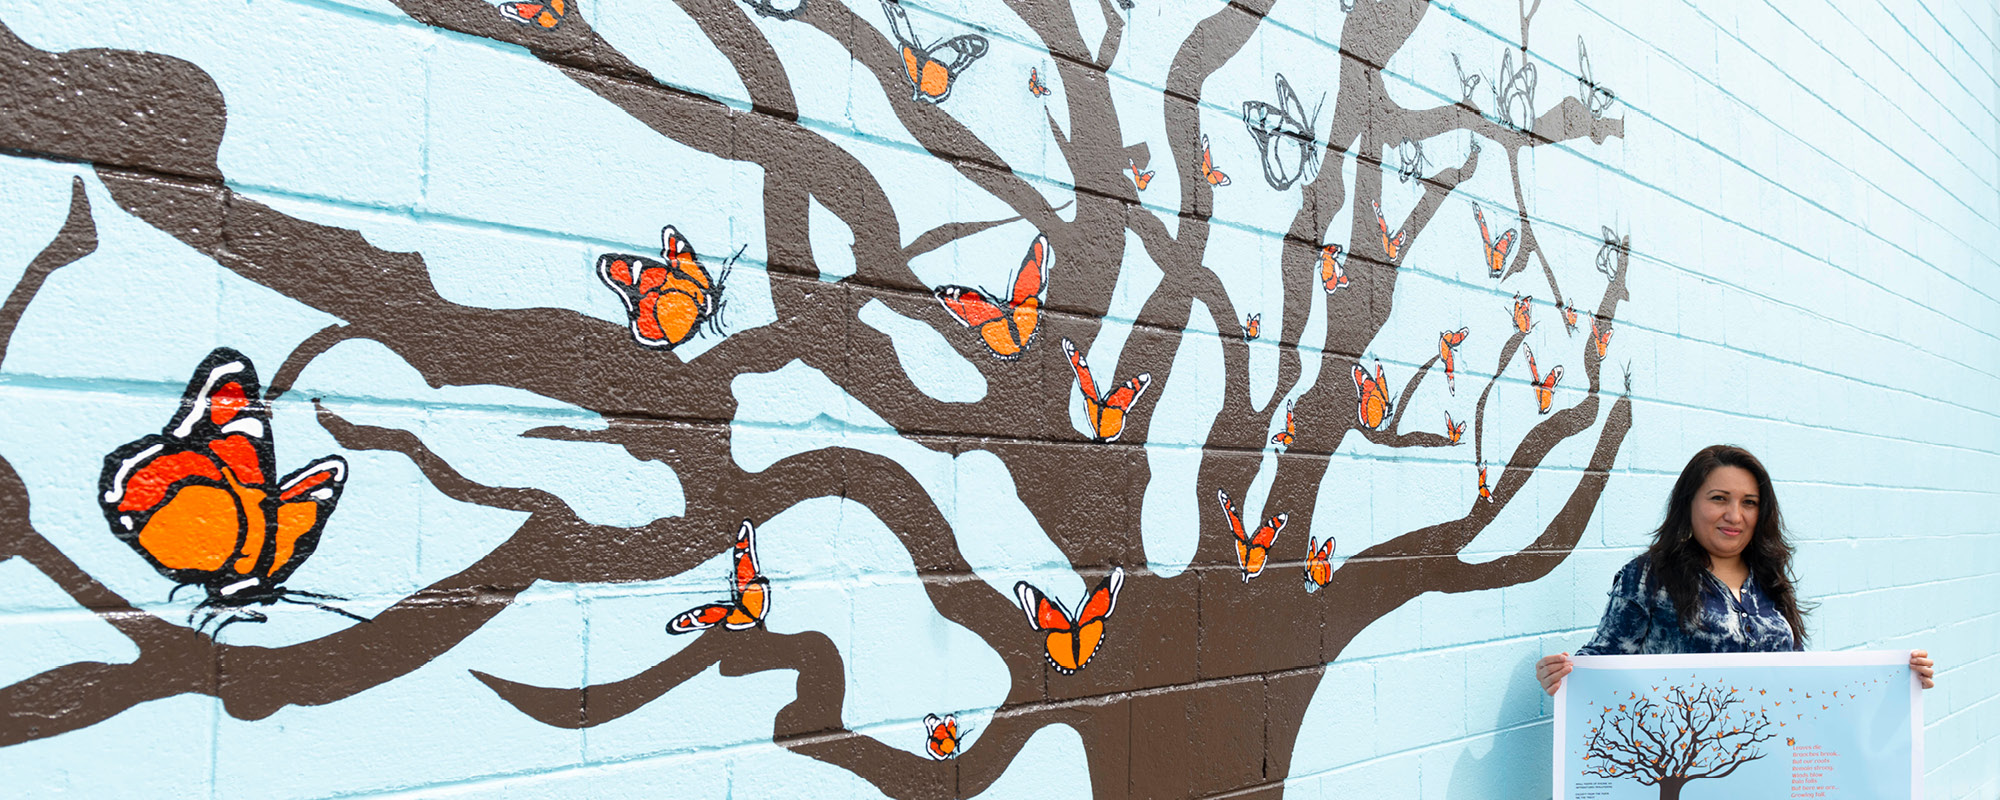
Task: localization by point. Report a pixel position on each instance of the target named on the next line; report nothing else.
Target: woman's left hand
(1920, 663)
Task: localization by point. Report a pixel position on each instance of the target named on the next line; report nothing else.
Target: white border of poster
(1697, 662)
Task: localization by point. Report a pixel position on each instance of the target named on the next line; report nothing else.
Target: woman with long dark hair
(1717, 579)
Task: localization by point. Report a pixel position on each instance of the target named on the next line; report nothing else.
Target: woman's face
(1725, 511)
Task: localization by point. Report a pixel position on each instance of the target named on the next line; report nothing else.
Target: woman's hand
(1551, 669)
(1920, 663)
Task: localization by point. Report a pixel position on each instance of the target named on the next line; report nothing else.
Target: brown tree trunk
(1670, 789)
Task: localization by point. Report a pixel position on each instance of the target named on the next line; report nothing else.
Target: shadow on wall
(1515, 761)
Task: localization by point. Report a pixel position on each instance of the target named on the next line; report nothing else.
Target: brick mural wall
(854, 398)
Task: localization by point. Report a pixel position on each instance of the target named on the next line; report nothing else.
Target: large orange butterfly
(1523, 313)
(1332, 268)
(930, 76)
(1253, 550)
(1600, 335)
(1319, 563)
(1291, 430)
(1453, 430)
(942, 735)
(1545, 387)
(1391, 245)
(1448, 341)
(547, 14)
(202, 503)
(1372, 397)
(1106, 412)
(1035, 85)
(1140, 178)
(749, 593)
(1071, 640)
(1496, 250)
(667, 301)
(1208, 171)
(1006, 329)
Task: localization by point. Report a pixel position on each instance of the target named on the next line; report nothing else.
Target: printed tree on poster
(1689, 734)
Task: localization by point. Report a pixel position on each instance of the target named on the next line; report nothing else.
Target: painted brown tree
(1686, 735)
(1207, 673)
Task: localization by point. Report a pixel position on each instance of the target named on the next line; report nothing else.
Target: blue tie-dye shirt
(1640, 619)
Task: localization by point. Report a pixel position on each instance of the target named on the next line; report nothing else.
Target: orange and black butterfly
(1007, 327)
(1208, 171)
(1448, 343)
(1453, 430)
(1485, 493)
(1071, 640)
(670, 300)
(942, 735)
(1600, 335)
(201, 500)
(1291, 430)
(749, 593)
(1253, 327)
(1253, 550)
(1497, 250)
(1142, 179)
(1332, 268)
(1319, 563)
(1035, 85)
(1568, 309)
(1523, 313)
(1372, 398)
(1545, 387)
(931, 69)
(1790, 741)
(546, 14)
(1392, 245)
(1106, 412)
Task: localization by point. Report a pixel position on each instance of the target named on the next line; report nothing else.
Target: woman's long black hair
(1679, 560)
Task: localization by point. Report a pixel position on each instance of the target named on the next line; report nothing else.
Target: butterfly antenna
(240, 615)
(321, 606)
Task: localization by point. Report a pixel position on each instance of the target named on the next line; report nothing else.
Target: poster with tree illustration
(1774, 725)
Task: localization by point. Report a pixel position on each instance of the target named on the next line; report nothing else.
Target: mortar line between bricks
(1948, 34)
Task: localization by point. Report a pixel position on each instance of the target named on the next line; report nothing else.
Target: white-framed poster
(1766, 725)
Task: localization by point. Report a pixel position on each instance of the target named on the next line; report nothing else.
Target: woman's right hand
(1551, 669)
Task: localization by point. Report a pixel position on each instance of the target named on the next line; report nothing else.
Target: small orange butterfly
(1140, 178)
(1522, 321)
(931, 77)
(1391, 245)
(1253, 326)
(1106, 412)
(669, 301)
(1319, 563)
(1545, 387)
(1448, 341)
(1496, 250)
(1285, 436)
(1007, 327)
(1568, 309)
(1372, 397)
(942, 735)
(1035, 85)
(1453, 430)
(749, 590)
(1208, 171)
(545, 14)
(1600, 334)
(1790, 741)
(1070, 641)
(1332, 268)
(1252, 550)
(1485, 493)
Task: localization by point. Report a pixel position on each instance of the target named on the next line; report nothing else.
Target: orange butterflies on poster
(1332, 268)
(1106, 412)
(1453, 430)
(1392, 246)
(1291, 430)
(1319, 563)
(1372, 397)
(1007, 327)
(1253, 550)
(1069, 640)
(749, 593)
(1448, 343)
(1253, 327)
(1600, 335)
(202, 503)
(544, 14)
(1141, 178)
(1522, 313)
(1568, 309)
(1496, 249)
(668, 301)
(1035, 85)
(1485, 493)
(1790, 741)
(1545, 386)
(942, 735)
(931, 69)
(1208, 171)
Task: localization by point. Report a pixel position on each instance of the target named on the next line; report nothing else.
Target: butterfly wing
(1090, 397)
(1031, 290)
(1496, 252)
(1332, 267)
(1049, 617)
(1095, 609)
(1208, 171)
(1253, 554)
(753, 601)
(971, 307)
(934, 76)
(1112, 411)
(305, 499)
(546, 15)
(700, 618)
